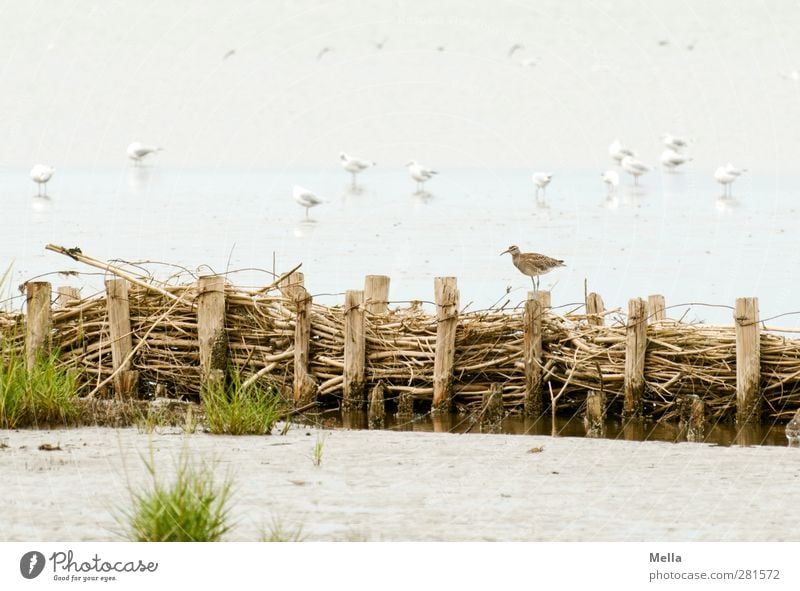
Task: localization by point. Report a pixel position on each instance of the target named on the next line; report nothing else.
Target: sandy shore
(383, 485)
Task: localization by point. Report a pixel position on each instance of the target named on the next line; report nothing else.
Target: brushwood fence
(145, 338)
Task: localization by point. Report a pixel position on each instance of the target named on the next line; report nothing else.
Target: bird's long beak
(505, 251)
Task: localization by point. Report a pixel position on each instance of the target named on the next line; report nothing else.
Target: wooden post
(532, 354)
(213, 339)
(544, 299)
(447, 317)
(376, 294)
(293, 285)
(305, 386)
(39, 322)
(377, 411)
(492, 410)
(66, 295)
(748, 361)
(692, 418)
(594, 307)
(119, 325)
(635, 346)
(354, 351)
(594, 421)
(405, 405)
(657, 308)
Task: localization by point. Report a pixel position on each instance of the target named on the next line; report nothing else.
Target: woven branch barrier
(578, 353)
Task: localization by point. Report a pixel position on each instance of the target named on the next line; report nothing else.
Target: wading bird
(306, 198)
(419, 173)
(354, 165)
(725, 175)
(138, 151)
(40, 174)
(541, 180)
(532, 264)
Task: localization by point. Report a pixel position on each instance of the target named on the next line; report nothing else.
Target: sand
(393, 486)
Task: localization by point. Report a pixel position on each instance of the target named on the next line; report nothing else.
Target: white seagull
(675, 142)
(40, 174)
(354, 165)
(137, 151)
(541, 180)
(634, 167)
(617, 151)
(611, 179)
(726, 174)
(671, 159)
(306, 198)
(419, 173)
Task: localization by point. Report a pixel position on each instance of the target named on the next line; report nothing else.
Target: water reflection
(631, 430)
(726, 204)
(304, 228)
(41, 202)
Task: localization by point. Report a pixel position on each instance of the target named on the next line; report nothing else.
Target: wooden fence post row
(532, 354)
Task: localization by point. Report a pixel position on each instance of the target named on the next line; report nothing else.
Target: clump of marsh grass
(191, 508)
(319, 447)
(45, 395)
(235, 408)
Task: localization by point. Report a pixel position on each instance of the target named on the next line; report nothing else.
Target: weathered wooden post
(595, 309)
(492, 410)
(657, 308)
(377, 410)
(594, 421)
(532, 354)
(544, 299)
(39, 321)
(119, 325)
(67, 294)
(376, 294)
(446, 291)
(305, 386)
(211, 335)
(354, 351)
(692, 418)
(635, 346)
(748, 361)
(405, 405)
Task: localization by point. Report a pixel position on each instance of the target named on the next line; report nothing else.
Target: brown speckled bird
(793, 429)
(532, 264)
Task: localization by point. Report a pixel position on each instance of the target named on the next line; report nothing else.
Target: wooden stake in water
(376, 294)
(446, 291)
(532, 354)
(657, 308)
(67, 294)
(594, 421)
(595, 309)
(213, 340)
(635, 347)
(39, 322)
(119, 324)
(492, 410)
(354, 351)
(748, 361)
(377, 410)
(305, 386)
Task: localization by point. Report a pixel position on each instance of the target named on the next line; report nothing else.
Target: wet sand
(392, 486)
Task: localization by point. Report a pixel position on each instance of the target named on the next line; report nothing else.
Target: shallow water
(674, 235)
(719, 434)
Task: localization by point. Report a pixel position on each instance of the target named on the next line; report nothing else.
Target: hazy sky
(79, 80)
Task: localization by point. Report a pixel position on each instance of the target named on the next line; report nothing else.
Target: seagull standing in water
(40, 174)
(634, 167)
(671, 159)
(137, 152)
(419, 173)
(674, 142)
(354, 165)
(617, 151)
(725, 175)
(306, 198)
(611, 179)
(541, 180)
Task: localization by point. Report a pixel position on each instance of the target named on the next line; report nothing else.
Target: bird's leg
(354, 179)
(533, 283)
(635, 179)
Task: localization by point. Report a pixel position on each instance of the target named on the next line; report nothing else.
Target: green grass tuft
(279, 532)
(45, 395)
(193, 508)
(233, 409)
